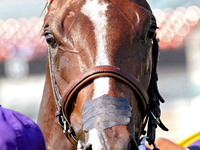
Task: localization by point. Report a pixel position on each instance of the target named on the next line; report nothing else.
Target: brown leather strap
(104, 71)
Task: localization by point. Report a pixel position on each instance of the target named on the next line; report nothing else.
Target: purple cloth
(18, 132)
(196, 143)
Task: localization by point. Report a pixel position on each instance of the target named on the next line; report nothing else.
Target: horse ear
(143, 3)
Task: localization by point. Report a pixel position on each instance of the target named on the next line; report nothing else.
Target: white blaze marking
(94, 140)
(95, 10)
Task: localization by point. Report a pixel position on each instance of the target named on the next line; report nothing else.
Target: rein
(150, 99)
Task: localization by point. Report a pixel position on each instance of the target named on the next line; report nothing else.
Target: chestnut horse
(101, 80)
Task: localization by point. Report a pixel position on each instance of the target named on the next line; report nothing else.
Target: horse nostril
(132, 145)
(88, 147)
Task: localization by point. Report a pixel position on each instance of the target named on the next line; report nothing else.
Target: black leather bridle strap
(154, 98)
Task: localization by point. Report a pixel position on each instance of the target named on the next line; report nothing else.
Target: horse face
(89, 33)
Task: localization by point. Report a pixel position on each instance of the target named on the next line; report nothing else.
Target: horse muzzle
(131, 145)
(106, 119)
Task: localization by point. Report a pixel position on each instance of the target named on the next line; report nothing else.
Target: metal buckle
(65, 128)
(155, 118)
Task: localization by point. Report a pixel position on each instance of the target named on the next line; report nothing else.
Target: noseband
(150, 99)
(105, 71)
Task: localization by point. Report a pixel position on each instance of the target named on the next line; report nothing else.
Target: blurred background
(23, 59)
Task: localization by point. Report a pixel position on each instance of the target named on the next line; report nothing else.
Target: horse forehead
(142, 3)
(97, 6)
(62, 15)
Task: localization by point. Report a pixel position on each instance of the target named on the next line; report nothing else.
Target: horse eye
(151, 34)
(50, 39)
(152, 30)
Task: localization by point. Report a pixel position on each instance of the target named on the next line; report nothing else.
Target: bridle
(150, 99)
(93, 73)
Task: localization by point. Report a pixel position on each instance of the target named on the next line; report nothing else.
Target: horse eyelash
(43, 34)
(154, 26)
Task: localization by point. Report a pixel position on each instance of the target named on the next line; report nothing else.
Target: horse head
(101, 75)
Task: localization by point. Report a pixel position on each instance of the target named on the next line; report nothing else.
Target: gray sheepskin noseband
(104, 112)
